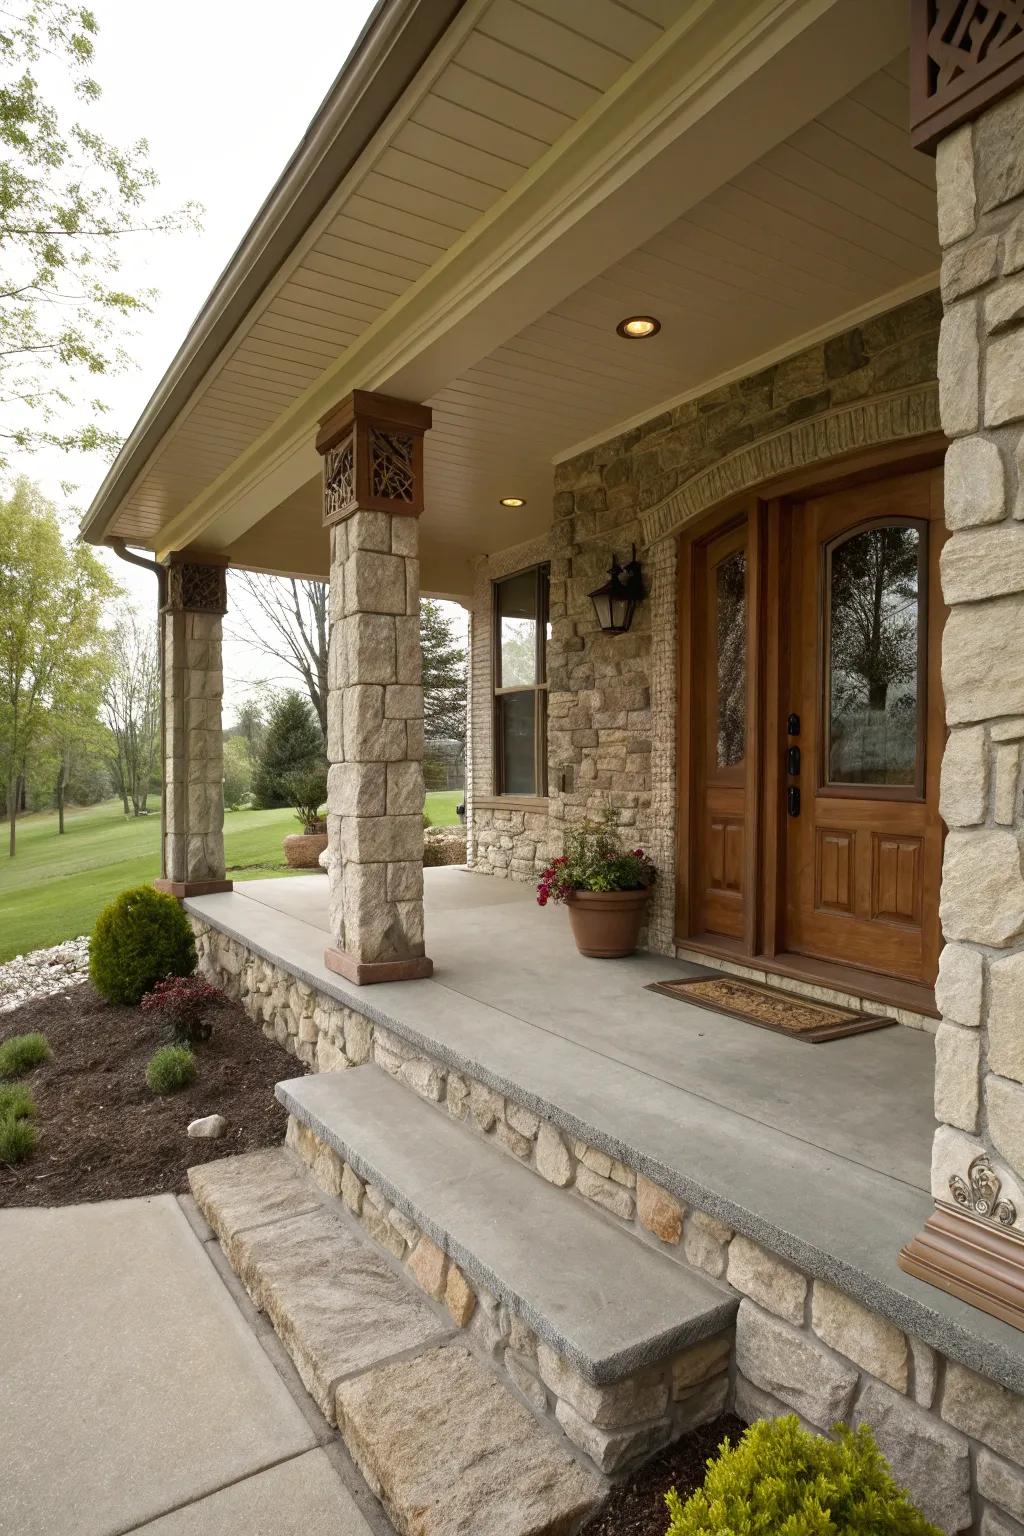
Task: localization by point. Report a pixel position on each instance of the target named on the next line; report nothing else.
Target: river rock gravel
(43, 972)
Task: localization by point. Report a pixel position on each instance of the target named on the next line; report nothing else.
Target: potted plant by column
(605, 887)
(307, 793)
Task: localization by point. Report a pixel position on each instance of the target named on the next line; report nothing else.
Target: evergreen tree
(444, 675)
(293, 745)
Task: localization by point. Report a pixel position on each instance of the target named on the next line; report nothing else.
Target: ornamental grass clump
(141, 937)
(595, 860)
(184, 1004)
(780, 1478)
(17, 1135)
(171, 1069)
(21, 1053)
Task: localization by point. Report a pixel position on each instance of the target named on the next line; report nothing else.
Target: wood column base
(363, 973)
(974, 1260)
(181, 888)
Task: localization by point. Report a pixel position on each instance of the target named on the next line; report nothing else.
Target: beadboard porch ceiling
(776, 200)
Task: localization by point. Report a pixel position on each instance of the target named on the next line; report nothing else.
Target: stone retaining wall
(320, 1031)
(615, 1426)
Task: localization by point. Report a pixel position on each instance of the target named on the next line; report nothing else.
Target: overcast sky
(223, 92)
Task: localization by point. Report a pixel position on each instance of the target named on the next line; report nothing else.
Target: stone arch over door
(818, 440)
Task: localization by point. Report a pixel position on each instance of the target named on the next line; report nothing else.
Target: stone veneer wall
(979, 1087)
(611, 702)
(955, 1438)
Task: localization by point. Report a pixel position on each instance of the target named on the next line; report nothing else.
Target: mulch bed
(636, 1507)
(102, 1134)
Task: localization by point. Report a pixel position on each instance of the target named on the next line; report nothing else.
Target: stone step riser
(615, 1426)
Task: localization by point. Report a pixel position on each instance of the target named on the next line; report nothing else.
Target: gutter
(122, 551)
(396, 39)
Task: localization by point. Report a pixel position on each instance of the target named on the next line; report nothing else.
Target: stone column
(372, 499)
(193, 743)
(978, 1156)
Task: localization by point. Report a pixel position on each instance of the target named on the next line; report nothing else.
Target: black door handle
(793, 761)
(793, 725)
(793, 800)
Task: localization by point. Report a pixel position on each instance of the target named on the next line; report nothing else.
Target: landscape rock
(420, 1429)
(208, 1128)
(43, 972)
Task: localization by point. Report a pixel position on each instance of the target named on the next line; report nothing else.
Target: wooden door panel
(896, 871)
(835, 872)
(863, 853)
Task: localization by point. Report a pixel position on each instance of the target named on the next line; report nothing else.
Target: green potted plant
(307, 793)
(605, 887)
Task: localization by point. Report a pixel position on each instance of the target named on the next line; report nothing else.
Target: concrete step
(605, 1303)
(444, 1444)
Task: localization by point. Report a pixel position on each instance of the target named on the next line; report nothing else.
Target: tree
(51, 645)
(237, 771)
(444, 675)
(251, 726)
(293, 745)
(131, 707)
(296, 632)
(66, 199)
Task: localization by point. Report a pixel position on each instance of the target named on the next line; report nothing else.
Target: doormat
(771, 1008)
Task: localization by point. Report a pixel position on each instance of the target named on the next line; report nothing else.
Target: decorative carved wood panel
(896, 871)
(964, 55)
(835, 870)
(725, 848)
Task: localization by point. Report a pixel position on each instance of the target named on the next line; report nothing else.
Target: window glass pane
(873, 646)
(518, 716)
(731, 653)
(517, 621)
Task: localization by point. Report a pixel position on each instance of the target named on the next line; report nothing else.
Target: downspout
(122, 551)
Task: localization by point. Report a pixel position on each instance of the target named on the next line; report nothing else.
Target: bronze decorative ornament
(979, 1193)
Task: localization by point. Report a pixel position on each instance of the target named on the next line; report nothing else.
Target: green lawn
(55, 887)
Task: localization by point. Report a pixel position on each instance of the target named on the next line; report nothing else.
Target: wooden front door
(863, 727)
(720, 694)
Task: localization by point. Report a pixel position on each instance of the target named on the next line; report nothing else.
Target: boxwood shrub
(780, 1478)
(141, 937)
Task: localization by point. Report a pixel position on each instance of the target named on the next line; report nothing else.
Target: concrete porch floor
(822, 1152)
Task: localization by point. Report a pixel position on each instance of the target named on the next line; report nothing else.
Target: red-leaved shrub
(184, 1003)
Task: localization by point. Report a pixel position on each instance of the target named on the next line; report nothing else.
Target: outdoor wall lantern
(615, 602)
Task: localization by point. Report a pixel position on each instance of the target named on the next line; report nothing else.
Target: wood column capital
(372, 448)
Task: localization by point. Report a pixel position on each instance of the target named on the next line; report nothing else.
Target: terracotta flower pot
(302, 850)
(606, 924)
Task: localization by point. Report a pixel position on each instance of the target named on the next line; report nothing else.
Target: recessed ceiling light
(513, 501)
(637, 327)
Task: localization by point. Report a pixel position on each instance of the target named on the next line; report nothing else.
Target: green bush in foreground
(18, 1137)
(171, 1069)
(780, 1478)
(21, 1053)
(141, 937)
(16, 1103)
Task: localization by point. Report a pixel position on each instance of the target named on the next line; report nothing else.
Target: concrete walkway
(139, 1391)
